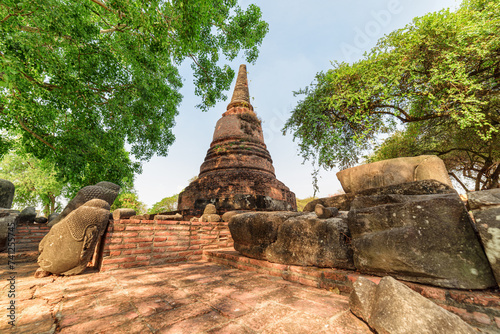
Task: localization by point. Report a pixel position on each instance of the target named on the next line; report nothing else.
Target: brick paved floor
(196, 297)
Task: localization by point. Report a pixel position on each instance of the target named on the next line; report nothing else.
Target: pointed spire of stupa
(241, 96)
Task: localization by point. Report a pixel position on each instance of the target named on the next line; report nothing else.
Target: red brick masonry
(135, 243)
(479, 308)
(28, 236)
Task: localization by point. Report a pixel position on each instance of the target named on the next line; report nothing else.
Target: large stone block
(483, 199)
(422, 187)
(425, 238)
(27, 216)
(488, 225)
(309, 241)
(7, 190)
(293, 238)
(104, 190)
(123, 213)
(70, 244)
(254, 232)
(393, 308)
(393, 171)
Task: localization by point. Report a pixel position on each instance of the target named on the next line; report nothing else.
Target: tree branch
(118, 27)
(459, 181)
(29, 29)
(19, 14)
(401, 110)
(102, 4)
(34, 134)
(43, 85)
(198, 64)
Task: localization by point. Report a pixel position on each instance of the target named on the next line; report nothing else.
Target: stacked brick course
(479, 308)
(134, 243)
(28, 236)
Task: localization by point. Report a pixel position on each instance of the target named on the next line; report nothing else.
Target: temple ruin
(238, 172)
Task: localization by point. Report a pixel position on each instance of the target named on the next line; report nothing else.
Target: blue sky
(304, 38)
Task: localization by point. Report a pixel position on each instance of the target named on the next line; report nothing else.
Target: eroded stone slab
(488, 225)
(396, 309)
(362, 298)
(123, 213)
(293, 238)
(484, 198)
(426, 238)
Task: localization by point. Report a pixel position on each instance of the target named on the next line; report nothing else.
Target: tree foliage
(130, 200)
(79, 79)
(35, 181)
(165, 205)
(439, 74)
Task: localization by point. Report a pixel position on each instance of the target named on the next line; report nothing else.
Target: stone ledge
(478, 308)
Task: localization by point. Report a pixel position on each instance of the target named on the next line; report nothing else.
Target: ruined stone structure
(238, 172)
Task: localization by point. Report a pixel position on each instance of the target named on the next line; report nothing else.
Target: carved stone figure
(69, 245)
(103, 190)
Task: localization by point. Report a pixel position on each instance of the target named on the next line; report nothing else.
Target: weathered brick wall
(134, 243)
(481, 308)
(28, 236)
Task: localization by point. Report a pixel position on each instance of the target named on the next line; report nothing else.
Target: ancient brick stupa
(238, 172)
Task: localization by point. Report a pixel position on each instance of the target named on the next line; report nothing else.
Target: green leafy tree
(439, 74)
(165, 205)
(79, 79)
(130, 200)
(35, 181)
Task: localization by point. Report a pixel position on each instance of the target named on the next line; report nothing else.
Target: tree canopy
(35, 181)
(165, 205)
(79, 79)
(437, 79)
